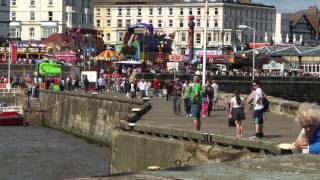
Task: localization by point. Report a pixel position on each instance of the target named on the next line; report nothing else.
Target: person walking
(86, 83)
(215, 88)
(156, 86)
(196, 101)
(186, 94)
(177, 93)
(209, 95)
(236, 112)
(100, 84)
(256, 97)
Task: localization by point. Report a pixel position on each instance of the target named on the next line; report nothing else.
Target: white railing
(17, 109)
(7, 91)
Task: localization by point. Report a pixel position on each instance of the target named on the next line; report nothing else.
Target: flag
(14, 53)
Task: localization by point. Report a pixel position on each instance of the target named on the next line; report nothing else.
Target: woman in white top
(236, 112)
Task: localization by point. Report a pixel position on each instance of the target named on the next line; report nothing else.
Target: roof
(142, 2)
(277, 51)
(313, 20)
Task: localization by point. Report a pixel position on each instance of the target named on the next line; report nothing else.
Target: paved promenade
(278, 128)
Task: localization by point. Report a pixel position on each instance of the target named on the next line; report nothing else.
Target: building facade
(38, 19)
(305, 26)
(4, 18)
(114, 16)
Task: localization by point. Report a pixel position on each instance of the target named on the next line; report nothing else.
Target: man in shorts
(256, 97)
(196, 102)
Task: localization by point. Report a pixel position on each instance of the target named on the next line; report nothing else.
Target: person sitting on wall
(308, 116)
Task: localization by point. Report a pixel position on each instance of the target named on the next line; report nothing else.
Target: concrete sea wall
(89, 116)
(135, 148)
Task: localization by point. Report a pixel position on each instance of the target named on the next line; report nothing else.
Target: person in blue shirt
(308, 116)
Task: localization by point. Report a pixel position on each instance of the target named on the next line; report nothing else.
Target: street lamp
(205, 44)
(254, 47)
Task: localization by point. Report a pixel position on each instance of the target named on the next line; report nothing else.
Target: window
(13, 2)
(108, 22)
(181, 23)
(151, 22)
(199, 22)
(13, 16)
(181, 11)
(119, 23)
(31, 33)
(108, 36)
(32, 16)
(159, 23)
(150, 11)
(50, 15)
(50, 2)
(14, 32)
(215, 37)
(199, 11)
(190, 11)
(108, 12)
(228, 37)
(216, 12)
(139, 11)
(139, 20)
(198, 38)
(128, 11)
(120, 12)
(207, 23)
(209, 38)
(170, 22)
(183, 37)
(159, 11)
(216, 23)
(32, 3)
(128, 22)
(121, 34)
(170, 11)
(47, 31)
(98, 22)
(98, 11)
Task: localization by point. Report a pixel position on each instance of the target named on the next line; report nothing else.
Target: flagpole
(9, 65)
(205, 44)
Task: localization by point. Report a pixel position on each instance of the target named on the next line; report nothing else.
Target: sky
(290, 5)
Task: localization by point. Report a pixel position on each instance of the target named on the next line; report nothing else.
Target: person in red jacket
(156, 87)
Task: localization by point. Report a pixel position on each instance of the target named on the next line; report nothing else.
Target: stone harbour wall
(92, 117)
(135, 148)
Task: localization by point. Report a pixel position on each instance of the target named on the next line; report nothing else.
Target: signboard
(174, 65)
(209, 52)
(91, 75)
(176, 58)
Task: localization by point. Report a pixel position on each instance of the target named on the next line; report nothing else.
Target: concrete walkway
(278, 128)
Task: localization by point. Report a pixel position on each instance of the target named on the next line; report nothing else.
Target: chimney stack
(313, 11)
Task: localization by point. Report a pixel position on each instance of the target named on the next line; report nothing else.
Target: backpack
(265, 103)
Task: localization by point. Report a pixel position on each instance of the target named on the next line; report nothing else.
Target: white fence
(12, 109)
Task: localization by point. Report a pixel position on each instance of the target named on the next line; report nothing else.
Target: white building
(114, 16)
(4, 18)
(37, 19)
(282, 29)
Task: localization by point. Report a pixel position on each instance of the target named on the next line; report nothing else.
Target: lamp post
(254, 47)
(205, 44)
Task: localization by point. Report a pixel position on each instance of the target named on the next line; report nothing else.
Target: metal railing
(17, 109)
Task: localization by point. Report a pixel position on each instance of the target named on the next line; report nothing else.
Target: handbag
(231, 122)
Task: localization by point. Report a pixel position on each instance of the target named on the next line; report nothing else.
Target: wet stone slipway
(38, 153)
(293, 167)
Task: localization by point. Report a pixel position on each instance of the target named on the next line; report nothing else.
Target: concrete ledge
(93, 96)
(252, 145)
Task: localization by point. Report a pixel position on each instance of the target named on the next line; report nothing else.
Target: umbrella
(106, 55)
